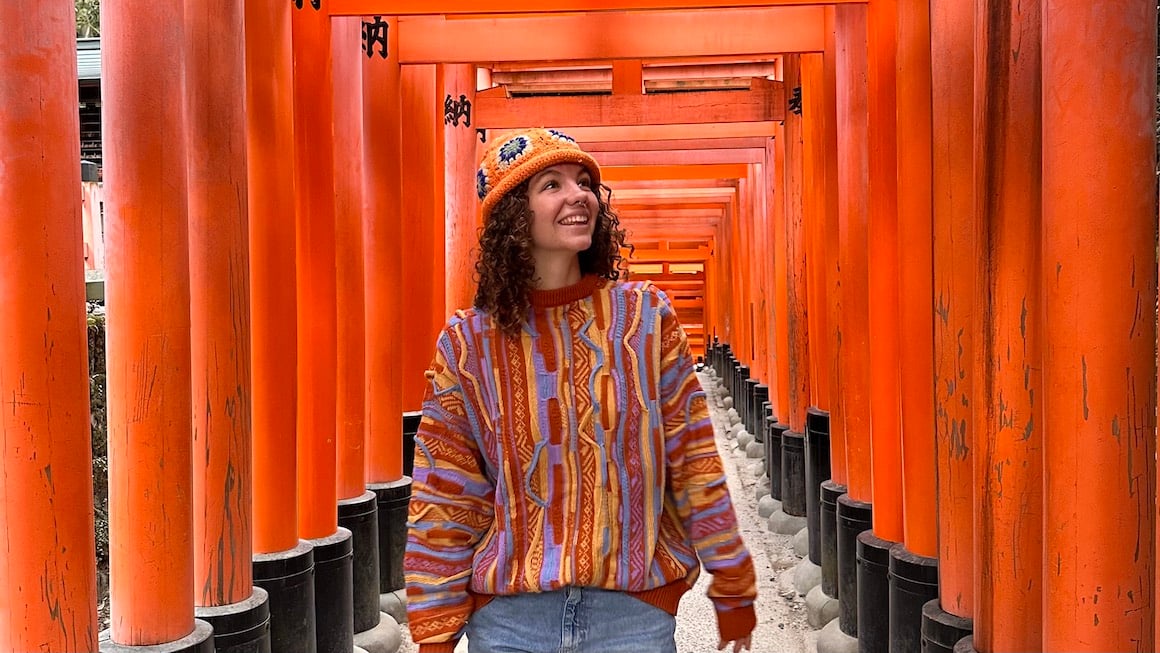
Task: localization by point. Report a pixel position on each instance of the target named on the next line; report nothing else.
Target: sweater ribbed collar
(566, 295)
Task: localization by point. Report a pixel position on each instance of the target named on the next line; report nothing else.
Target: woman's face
(564, 208)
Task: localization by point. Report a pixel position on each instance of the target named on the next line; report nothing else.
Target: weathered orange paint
(829, 246)
(383, 246)
(423, 228)
(219, 272)
(814, 215)
(763, 102)
(797, 288)
(853, 221)
(885, 412)
(147, 298)
(273, 301)
(956, 268)
(350, 418)
(49, 595)
(1008, 397)
(1099, 363)
(916, 279)
(317, 302)
(563, 37)
(461, 205)
(743, 271)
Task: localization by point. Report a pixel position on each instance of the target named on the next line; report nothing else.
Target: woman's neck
(556, 273)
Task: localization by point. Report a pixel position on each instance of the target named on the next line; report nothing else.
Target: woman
(567, 486)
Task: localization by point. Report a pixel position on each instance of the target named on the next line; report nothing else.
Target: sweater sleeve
(698, 483)
(452, 507)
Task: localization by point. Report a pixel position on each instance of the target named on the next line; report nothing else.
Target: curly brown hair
(505, 270)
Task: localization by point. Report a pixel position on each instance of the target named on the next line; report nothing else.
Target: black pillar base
(393, 499)
(199, 641)
(773, 437)
(829, 535)
(817, 472)
(242, 627)
(760, 400)
(288, 578)
(913, 582)
(793, 473)
(411, 422)
(941, 630)
(333, 593)
(360, 517)
(873, 593)
(853, 518)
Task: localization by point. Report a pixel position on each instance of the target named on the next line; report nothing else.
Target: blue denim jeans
(572, 620)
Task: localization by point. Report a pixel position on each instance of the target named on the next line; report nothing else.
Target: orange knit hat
(516, 157)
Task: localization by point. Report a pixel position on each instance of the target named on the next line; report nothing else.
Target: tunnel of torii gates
(923, 230)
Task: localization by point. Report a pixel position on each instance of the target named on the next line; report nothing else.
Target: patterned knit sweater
(579, 453)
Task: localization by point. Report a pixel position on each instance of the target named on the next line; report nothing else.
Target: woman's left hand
(738, 644)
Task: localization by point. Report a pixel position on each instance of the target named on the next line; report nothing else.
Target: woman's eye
(585, 183)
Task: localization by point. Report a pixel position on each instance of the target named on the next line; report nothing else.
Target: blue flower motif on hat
(561, 136)
(481, 183)
(512, 150)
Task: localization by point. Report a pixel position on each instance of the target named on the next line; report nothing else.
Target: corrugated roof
(88, 59)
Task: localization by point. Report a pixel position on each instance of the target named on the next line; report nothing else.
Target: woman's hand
(738, 644)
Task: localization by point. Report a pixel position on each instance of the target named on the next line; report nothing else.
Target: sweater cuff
(736, 623)
(441, 647)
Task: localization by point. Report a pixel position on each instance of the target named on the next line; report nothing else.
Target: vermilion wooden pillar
(460, 205)
(956, 268)
(49, 595)
(768, 214)
(829, 248)
(780, 306)
(317, 307)
(346, 42)
(814, 217)
(423, 227)
(797, 258)
(147, 298)
(885, 418)
(270, 145)
(314, 118)
(1008, 395)
(853, 220)
(916, 274)
(1099, 363)
(383, 244)
(219, 265)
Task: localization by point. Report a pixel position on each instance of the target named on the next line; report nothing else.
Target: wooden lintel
(680, 157)
(694, 130)
(764, 102)
(466, 7)
(611, 35)
(680, 144)
(673, 171)
(674, 183)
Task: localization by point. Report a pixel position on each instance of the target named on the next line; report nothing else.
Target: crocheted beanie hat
(516, 157)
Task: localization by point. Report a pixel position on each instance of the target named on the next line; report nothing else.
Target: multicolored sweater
(578, 453)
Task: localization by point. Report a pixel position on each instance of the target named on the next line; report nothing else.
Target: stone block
(821, 608)
(783, 524)
(383, 638)
(806, 576)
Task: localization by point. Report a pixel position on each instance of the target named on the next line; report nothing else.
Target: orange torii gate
(919, 222)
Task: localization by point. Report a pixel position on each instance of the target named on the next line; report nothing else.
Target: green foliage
(88, 18)
(99, 421)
